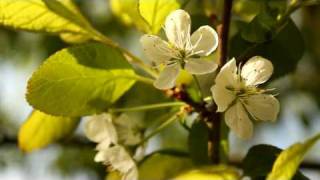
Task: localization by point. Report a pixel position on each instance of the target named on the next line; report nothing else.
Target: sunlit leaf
(155, 12)
(127, 11)
(220, 172)
(41, 129)
(80, 80)
(51, 16)
(289, 160)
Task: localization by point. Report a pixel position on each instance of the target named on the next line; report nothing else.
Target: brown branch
(224, 32)
(214, 119)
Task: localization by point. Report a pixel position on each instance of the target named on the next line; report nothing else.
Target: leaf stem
(160, 127)
(148, 107)
(143, 79)
(129, 56)
(198, 86)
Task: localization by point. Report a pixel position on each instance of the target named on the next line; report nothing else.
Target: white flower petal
(204, 40)
(177, 28)
(117, 157)
(263, 107)
(237, 119)
(156, 49)
(228, 75)
(168, 76)
(256, 70)
(128, 130)
(222, 97)
(200, 66)
(100, 128)
(131, 175)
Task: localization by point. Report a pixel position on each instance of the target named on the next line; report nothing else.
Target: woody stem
(214, 120)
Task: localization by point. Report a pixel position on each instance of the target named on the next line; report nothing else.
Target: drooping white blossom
(237, 94)
(182, 49)
(102, 130)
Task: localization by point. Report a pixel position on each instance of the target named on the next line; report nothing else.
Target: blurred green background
(22, 52)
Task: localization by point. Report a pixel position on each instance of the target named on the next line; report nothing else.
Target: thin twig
(214, 120)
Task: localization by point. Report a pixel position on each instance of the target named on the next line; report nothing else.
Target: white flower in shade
(128, 130)
(237, 94)
(100, 129)
(119, 160)
(182, 49)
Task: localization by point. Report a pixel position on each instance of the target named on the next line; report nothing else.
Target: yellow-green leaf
(220, 172)
(289, 160)
(127, 12)
(81, 80)
(51, 16)
(41, 129)
(155, 12)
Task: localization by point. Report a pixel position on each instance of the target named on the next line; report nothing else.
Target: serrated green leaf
(260, 29)
(289, 160)
(51, 16)
(220, 172)
(80, 80)
(283, 50)
(155, 12)
(41, 129)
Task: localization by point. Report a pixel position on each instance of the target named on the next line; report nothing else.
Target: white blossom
(101, 129)
(182, 49)
(237, 94)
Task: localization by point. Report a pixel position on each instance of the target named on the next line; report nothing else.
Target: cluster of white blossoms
(181, 50)
(235, 91)
(110, 137)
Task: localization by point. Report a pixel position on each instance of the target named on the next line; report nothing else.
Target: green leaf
(269, 154)
(155, 12)
(80, 80)
(49, 16)
(220, 172)
(289, 160)
(260, 29)
(163, 166)
(127, 11)
(198, 143)
(41, 129)
(284, 51)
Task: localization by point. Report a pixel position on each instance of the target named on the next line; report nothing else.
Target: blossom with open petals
(182, 49)
(237, 94)
(100, 129)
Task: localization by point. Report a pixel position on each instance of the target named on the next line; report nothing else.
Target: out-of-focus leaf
(163, 166)
(260, 171)
(220, 172)
(50, 16)
(127, 11)
(155, 12)
(260, 29)
(284, 51)
(41, 129)
(289, 160)
(80, 80)
(198, 143)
